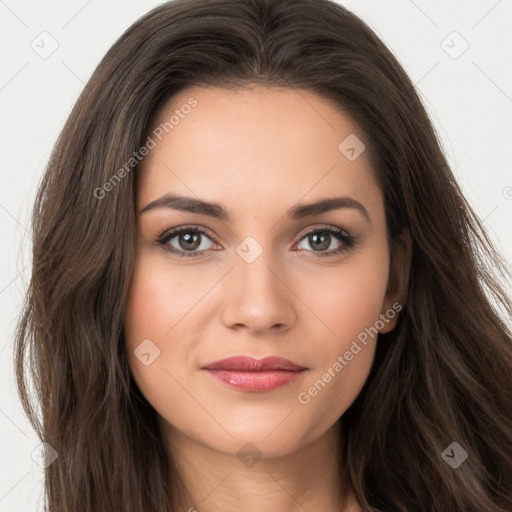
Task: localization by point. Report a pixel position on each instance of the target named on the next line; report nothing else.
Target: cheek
(346, 300)
(152, 299)
(153, 303)
(349, 303)
(147, 296)
(163, 314)
(160, 296)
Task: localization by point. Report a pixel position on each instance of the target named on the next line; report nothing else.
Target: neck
(306, 479)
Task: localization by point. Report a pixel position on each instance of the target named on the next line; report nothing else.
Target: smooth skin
(257, 153)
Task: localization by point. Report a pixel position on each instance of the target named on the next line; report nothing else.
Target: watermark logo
(44, 455)
(454, 45)
(146, 352)
(454, 455)
(249, 249)
(249, 455)
(352, 147)
(45, 45)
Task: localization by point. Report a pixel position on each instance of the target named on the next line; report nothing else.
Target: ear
(399, 271)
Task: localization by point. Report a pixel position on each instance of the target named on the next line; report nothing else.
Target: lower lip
(256, 381)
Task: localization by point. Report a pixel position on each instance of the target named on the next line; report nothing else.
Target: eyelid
(343, 235)
(324, 227)
(169, 234)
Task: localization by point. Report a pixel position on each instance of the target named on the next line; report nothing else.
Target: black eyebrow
(193, 205)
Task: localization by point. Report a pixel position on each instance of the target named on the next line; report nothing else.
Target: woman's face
(263, 277)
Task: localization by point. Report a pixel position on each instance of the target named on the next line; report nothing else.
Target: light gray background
(469, 98)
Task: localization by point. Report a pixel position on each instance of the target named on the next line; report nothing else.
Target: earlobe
(396, 293)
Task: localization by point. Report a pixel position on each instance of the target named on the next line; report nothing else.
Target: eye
(190, 241)
(185, 241)
(323, 241)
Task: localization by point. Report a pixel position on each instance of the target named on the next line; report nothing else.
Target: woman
(256, 284)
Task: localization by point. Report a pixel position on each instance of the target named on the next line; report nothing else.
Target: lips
(250, 364)
(246, 373)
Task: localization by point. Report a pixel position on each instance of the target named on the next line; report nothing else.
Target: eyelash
(347, 241)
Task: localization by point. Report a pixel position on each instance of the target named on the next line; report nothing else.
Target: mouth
(256, 375)
(250, 364)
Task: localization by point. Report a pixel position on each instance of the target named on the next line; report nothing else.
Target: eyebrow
(193, 205)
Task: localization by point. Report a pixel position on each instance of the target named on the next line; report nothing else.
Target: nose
(258, 297)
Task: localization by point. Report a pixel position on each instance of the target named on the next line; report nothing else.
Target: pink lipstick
(256, 375)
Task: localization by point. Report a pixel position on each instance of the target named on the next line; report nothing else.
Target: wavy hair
(443, 375)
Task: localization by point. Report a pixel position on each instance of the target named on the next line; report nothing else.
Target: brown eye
(186, 241)
(322, 242)
(319, 241)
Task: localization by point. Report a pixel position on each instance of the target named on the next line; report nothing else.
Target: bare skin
(258, 153)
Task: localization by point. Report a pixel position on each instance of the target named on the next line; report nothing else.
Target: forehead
(260, 144)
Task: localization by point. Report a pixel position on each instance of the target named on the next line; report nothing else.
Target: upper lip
(251, 364)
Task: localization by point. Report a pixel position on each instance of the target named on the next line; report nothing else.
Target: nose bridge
(259, 276)
(257, 295)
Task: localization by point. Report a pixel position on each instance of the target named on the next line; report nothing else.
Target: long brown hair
(443, 375)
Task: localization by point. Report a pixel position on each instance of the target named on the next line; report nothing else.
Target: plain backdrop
(458, 54)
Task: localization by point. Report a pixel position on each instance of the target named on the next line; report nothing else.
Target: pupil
(320, 241)
(188, 241)
(315, 240)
